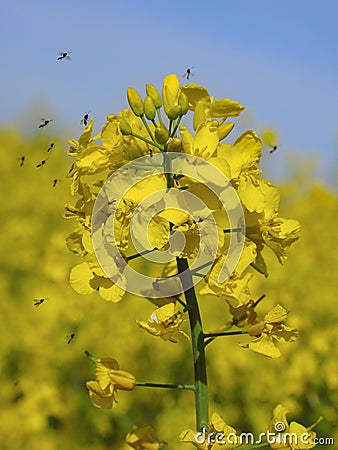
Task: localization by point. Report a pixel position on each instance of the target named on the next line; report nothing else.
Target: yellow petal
(110, 135)
(250, 148)
(272, 198)
(81, 278)
(265, 346)
(232, 158)
(100, 398)
(110, 291)
(187, 140)
(305, 438)
(276, 315)
(163, 313)
(206, 140)
(85, 137)
(224, 107)
(122, 380)
(195, 93)
(74, 242)
(250, 193)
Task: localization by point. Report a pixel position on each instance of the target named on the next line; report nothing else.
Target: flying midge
(39, 301)
(51, 146)
(70, 338)
(45, 122)
(42, 163)
(56, 181)
(188, 73)
(273, 148)
(22, 160)
(85, 118)
(63, 55)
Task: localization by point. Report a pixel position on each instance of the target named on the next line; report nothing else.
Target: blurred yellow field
(44, 400)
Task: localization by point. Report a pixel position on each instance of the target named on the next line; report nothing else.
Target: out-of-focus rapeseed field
(44, 401)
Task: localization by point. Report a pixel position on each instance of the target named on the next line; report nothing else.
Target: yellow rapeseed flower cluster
(140, 131)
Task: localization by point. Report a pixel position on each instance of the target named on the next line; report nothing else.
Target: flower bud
(170, 92)
(135, 102)
(174, 112)
(125, 128)
(184, 103)
(257, 329)
(154, 94)
(122, 380)
(224, 130)
(175, 145)
(149, 108)
(161, 134)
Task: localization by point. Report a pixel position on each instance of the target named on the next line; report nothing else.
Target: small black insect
(63, 55)
(22, 160)
(177, 177)
(70, 338)
(188, 73)
(51, 146)
(85, 118)
(273, 148)
(42, 163)
(71, 169)
(56, 181)
(39, 301)
(45, 122)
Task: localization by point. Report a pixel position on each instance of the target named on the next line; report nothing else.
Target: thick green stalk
(197, 342)
(197, 339)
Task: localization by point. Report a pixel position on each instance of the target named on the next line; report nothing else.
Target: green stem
(176, 126)
(147, 128)
(189, 387)
(137, 255)
(159, 115)
(145, 166)
(232, 230)
(222, 333)
(90, 356)
(259, 300)
(147, 141)
(170, 125)
(167, 168)
(197, 342)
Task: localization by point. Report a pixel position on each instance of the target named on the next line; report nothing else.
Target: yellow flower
(217, 436)
(165, 323)
(101, 398)
(109, 378)
(244, 315)
(234, 289)
(88, 277)
(144, 438)
(269, 329)
(294, 436)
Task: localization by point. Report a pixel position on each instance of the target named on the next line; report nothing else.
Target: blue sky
(279, 59)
